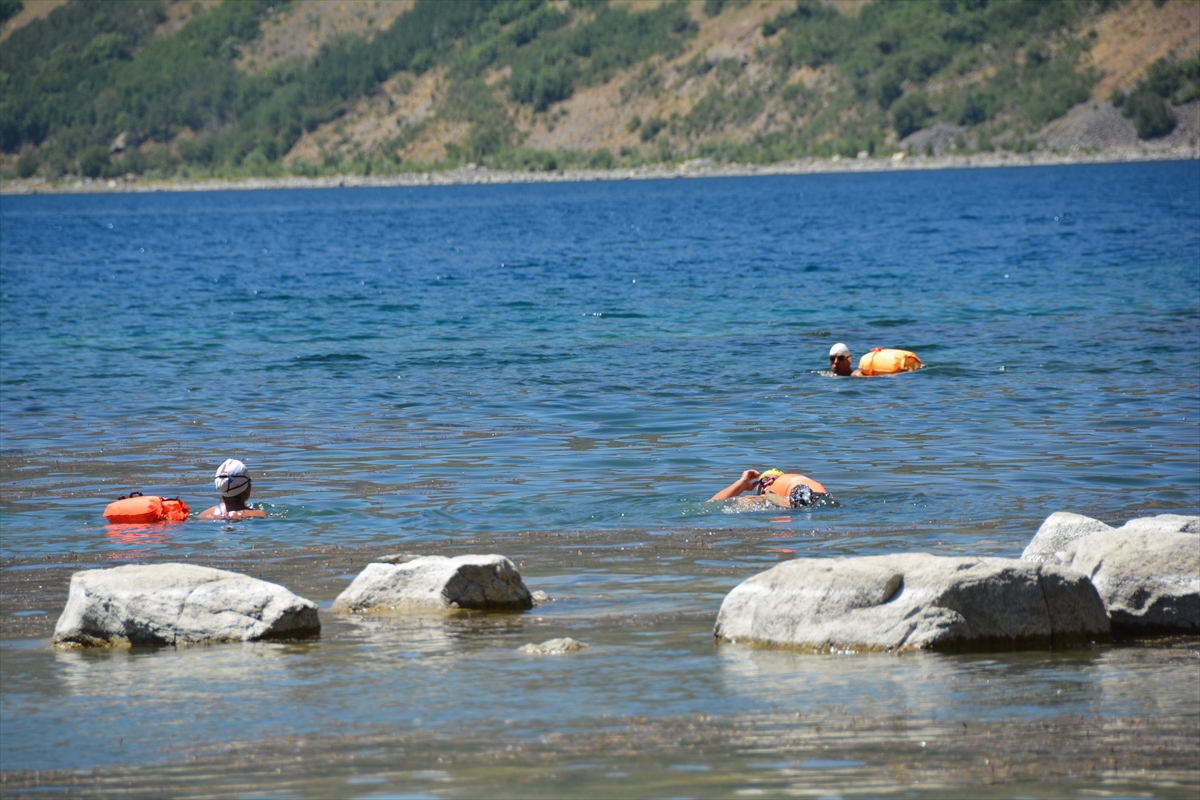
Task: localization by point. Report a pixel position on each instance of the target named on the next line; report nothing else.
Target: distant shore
(695, 168)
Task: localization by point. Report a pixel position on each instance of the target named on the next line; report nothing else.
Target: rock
(1148, 578)
(936, 139)
(1091, 125)
(425, 583)
(164, 604)
(539, 597)
(913, 602)
(1147, 572)
(1061, 528)
(554, 647)
(1163, 523)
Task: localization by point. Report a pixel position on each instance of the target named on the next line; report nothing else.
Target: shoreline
(694, 168)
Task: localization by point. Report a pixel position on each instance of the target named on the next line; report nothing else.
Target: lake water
(564, 373)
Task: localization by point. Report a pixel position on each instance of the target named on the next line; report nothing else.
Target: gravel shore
(696, 168)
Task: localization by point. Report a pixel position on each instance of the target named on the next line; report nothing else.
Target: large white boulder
(163, 604)
(1057, 533)
(1149, 579)
(1147, 571)
(431, 583)
(913, 602)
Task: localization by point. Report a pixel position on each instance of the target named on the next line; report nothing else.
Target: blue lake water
(404, 363)
(422, 365)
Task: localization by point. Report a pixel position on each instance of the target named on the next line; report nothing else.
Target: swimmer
(839, 361)
(786, 489)
(233, 483)
(877, 361)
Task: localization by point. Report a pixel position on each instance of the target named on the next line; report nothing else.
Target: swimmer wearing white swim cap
(232, 482)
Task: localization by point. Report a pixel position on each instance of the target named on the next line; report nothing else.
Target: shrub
(972, 106)
(27, 164)
(8, 10)
(651, 127)
(910, 114)
(888, 88)
(601, 159)
(1163, 78)
(93, 161)
(1150, 114)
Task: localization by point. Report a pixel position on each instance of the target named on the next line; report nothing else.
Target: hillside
(310, 87)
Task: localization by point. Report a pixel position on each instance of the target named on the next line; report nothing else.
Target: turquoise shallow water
(408, 363)
(565, 373)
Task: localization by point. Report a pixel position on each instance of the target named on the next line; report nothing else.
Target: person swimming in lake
(877, 361)
(786, 489)
(233, 483)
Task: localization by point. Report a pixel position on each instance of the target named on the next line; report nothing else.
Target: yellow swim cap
(770, 473)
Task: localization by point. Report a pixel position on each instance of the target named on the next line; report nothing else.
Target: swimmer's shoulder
(216, 513)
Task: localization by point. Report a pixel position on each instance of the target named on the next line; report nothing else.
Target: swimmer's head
(839, 359)
(766, 478)
(231, 478)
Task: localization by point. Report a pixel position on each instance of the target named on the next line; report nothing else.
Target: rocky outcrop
(913, 602)
(167, 604)
(429, 583)
(554, 647)
(1147, 572)
(1054, 538)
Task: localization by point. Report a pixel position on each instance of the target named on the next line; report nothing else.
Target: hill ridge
(515, 84)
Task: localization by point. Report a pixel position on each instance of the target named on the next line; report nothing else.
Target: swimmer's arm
(742, 484)
(210, 513)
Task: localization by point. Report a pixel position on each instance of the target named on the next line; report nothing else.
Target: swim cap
(769, 473)
(231, 479)
(839, 349)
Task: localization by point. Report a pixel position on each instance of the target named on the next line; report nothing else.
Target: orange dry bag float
(146, 508)
(885, 361)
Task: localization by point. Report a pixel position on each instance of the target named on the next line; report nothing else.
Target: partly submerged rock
(426, 583)
(163, 604)
(1057, 533)
(554, 647)
(913, 602)
(1147, 571)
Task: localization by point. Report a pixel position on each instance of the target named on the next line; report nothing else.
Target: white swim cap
(839, 349)
(231, 479)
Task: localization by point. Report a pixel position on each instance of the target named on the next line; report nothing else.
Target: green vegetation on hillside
(1146, 103)
(72, 83)
(968, 62)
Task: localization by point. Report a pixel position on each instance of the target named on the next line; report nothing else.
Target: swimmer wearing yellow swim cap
(787, 489)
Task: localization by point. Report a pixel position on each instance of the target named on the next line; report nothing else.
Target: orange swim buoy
(140, 508)
(784, 484)
(886, 361)
(793, 490)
